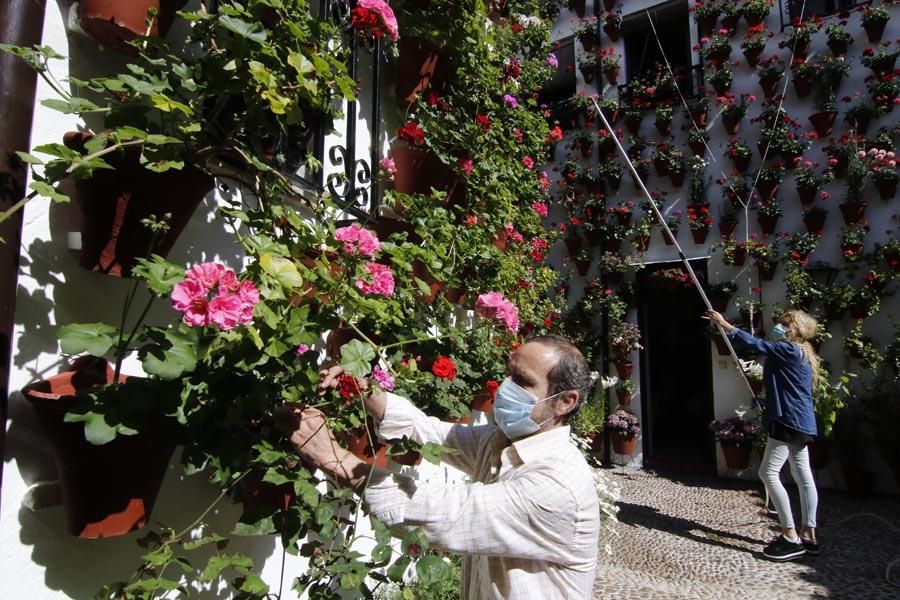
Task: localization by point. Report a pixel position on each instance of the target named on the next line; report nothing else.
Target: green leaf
(258, 521)
(251, 31)
(29, 158)
(172, 361)
(324, 513)
(282, 269)
(166, 104)
(307, 493)
(253, 584)
(47, 190)
(92, 338)
(96, 430)
(220, 562)
(431, 570)
(395, 571)
(382, 533)
(356, 357)
(382, 553)
(159, 274)
(213, 538)
(71, 106)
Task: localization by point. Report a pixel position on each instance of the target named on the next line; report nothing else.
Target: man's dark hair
(571, 371)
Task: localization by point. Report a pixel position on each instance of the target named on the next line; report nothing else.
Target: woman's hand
(719, 320)
(375, 402)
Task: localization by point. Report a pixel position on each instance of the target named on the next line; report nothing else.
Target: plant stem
(12, 209)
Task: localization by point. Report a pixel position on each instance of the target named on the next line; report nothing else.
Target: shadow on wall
(78, 567)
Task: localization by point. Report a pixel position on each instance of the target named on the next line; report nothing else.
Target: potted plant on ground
(623, 430)
(735, 436)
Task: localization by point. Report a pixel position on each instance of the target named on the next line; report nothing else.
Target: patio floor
(684, 535)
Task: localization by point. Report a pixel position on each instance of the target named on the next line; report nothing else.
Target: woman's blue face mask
(779, 332)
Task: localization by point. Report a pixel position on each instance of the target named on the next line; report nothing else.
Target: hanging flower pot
(668, 241)
(767, 223)
(766, 269)
(769, 87)
(107, 490)
(853, 212)
(578, 7)
(726, 230)
(624, 368)
(700, 117)
(676, 178)
(823, 122)
(633, 124)
(114, 23)
(802, 87)
(838, 47)
(611, 115)
(582, 266)
(114, 202)
(642, 243)
(661, 166)
(860, 123)
(419, 171)
(807, 195)
(698, 147)
(719, 302)
(874, 30)
(587, 41)
(815, 222)
(741, 163)
(887, 188)
(767, 189)
(732, 124)
(587, 72)
(614, 181)
(739, 256)
(623, 444)
(612, 75)
(421, 65)
(612, 245)
(573, 244)
(752, 56)
(585, 147)
(706, 24)
(699, 235)
(613, 31)
(722, 87)
(624, 397)
(752, 20)
(737, 456)
(663, 127)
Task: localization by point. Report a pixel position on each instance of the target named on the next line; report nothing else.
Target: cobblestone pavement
(695, 536)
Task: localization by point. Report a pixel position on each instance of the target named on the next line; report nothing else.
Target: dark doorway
(643, 58)
(676, 369)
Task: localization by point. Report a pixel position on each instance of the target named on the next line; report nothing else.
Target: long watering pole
(671, 236)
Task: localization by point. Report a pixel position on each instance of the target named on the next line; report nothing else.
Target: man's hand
(315, 443)
(375, 402)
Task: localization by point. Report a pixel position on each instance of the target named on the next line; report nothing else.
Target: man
(529, 522)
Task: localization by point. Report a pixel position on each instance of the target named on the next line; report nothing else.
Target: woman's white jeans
(773, 460)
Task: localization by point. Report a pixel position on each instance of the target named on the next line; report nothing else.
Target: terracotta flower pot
(642, 243)
(756, 384)
(769, 87)
(823, 122)
(838, 47)
(732, 125)
(107, 490)
(612, 75)
(257, 493)
(853, 212)
(573, 244)
(633, 124)
(860, 123)
(739, 256)
(114, 23)
(115, 201)
(706, 25)
(815, 223)
(677, 179)
(874, 31)
(699, 235)
(767, 223)
(587, 72)
(624, 368)
(622, 444)
(767, 189)
(578, 7)
(587, 41)
(802, 87)
(752, 56)
(807, 195)
(613, 33)
(741, 163)
(662, 168)
(582, 266)
(698, 148)
(419, 171)
(766, 270)
(737, 457)
(623, 397)
(886, 189)
(726, 229)
(484, 400)
(420, 65)
(666, 239)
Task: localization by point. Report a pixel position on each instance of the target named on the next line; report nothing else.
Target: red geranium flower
(444, 367)
(348, 388)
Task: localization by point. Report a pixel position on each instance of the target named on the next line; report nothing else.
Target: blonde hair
(801, 328)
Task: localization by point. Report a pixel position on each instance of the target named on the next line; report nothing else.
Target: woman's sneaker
(811, 547)
(784, 549)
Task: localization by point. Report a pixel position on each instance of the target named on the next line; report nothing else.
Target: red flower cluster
(366, 20)
(444, 367)
(348, 387)
(484, 121)
(412, 133)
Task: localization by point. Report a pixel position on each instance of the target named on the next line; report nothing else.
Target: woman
(790, 374)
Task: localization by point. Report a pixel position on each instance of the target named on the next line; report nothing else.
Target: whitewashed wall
(729, 391)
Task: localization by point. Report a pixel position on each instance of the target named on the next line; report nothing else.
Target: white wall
(729, 390)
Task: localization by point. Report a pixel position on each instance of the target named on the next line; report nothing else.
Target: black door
(676, 371)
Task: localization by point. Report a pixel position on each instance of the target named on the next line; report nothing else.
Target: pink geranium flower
(494, 305)
(232, 303)
(380, 280)
(358, 240)
(528, 162)
(541, 209)
(383, 378)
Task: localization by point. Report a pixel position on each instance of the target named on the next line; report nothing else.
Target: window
(561, 86)
(790, 9)
(643, 57)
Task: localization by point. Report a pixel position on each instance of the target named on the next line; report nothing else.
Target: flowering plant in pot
(612, 24)
(625, 338)
(623, 428)
(862, 347)
(825, 97)
(802, 31)
(734, 253)
(765, 256)
(664, 114)
(740, 154)
(768, 179)
(720, 79)
(697, 141)
(800, 287)
(609, 64)
(883, 168)
(698, 107)
(728, 219)
(676, 166)
(808, 183)
(698, 184)
(800, 245)
(624, 391)
(590, 421)
(874, 18)
(733, 110)
(716, 49)
(859, 115)
(705, 15)
(767, 214)
(803, 73)
(720, 293)
(586, 31)
(883, 91)
(853, 240)
(754, 43)
(756, 11)
(587, 64)
(839, 39)
(736, 189)
(770, 72)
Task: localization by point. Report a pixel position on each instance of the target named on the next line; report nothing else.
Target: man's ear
(566, 403)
